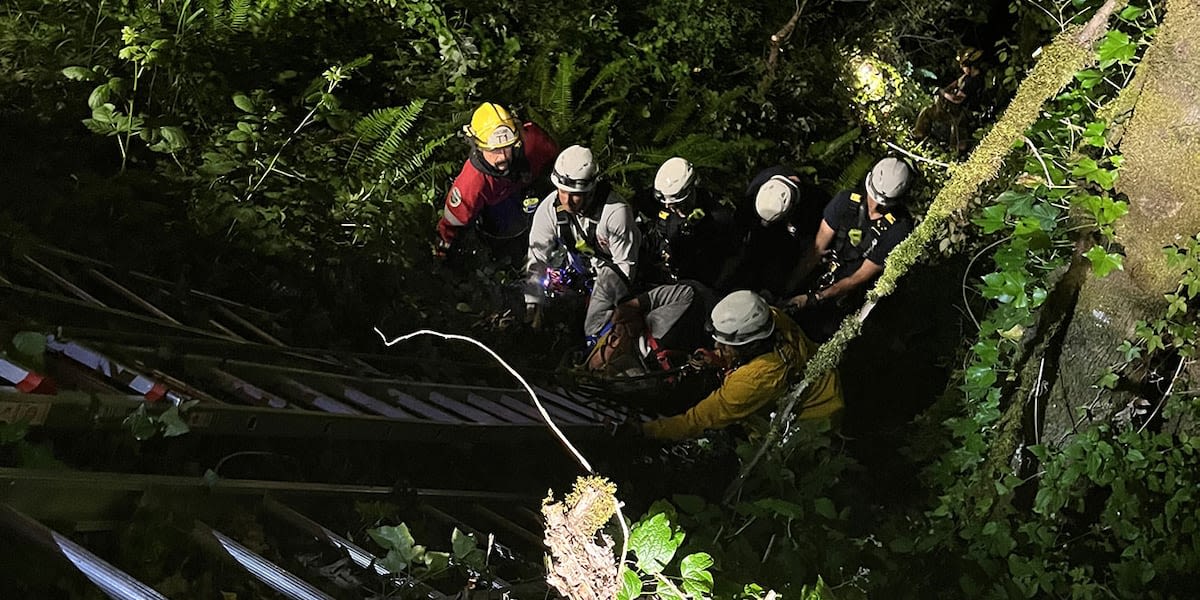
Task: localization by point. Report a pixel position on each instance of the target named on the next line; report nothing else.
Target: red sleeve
(540, 149)
(463, 202)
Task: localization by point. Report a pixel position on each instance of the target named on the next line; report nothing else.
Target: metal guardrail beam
(100, 411)
(65, 310)
(271, 574)
(114, 582)
(79, 258)
(357, 554)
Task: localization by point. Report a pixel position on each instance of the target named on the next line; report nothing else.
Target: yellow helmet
(493, 127)
(969, 55)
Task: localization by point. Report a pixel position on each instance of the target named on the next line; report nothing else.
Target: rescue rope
(583, 462)
(1071, 51)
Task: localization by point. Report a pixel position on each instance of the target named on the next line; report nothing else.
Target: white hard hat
(740, 318)
(575, 170)
(775, 198)
(888, 181)
(674, 180)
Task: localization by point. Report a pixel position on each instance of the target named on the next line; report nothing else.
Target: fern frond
(606, 73)
(417, 160)
(674, 122)
(238, 14)
(383, 133)
(560, 104)
(602, 132)
(852, 175)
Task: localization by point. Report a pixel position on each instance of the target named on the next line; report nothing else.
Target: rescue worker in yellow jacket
(765, 353)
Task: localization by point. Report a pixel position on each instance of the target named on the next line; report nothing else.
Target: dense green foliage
(318, 136)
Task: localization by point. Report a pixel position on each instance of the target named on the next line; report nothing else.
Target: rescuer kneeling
(763, 353)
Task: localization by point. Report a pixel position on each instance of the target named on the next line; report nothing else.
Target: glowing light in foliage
(878, 89)
(868, 79)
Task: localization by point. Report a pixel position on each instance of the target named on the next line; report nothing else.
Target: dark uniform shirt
(857, 237)
(769, 254)
(694, 247)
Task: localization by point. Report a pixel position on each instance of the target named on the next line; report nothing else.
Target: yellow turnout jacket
(758, 385)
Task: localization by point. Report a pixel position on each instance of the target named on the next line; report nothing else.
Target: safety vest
(856, 236)
(579, 236)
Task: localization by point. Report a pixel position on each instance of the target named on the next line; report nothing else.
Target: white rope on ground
(917, 156)
(536, 402)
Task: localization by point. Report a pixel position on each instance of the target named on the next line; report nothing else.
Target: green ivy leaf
(654, 543)
(466, 550)
(783, 508)
(1037, 297)
(141, 424)
(1012, 256)
(79, 73)
(1093, 134)
(987, 352)
(100, 95)
(244, 103)
(175, 138)
(1131, 13)
(824, 507)
(1088, 78)
(1018, 203)
(399, 540)
(1116, 47)
(697, 580)
(631, 585)
(664, 591)
(979, 378)
(210, 478)
(992, 219)
(1107, 380)
(1091, 171)
(1103, 262)
(105, 113)
(173, 423)
(30, 346)
(394, 563)
(819, 591)
(436, 562)
(1176, 304)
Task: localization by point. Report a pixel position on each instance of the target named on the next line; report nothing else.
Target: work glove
(533, 315)
(628, 430)
(703, 358)
(441, 249)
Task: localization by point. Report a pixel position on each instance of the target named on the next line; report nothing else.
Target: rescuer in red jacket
(505, 159)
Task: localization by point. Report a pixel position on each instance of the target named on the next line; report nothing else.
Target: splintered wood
(582, 564)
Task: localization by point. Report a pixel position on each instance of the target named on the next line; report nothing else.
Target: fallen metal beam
(114, 582)
(130, 296)
(359, 556)
(262, 569)
(144, 277)
(63, 283)
(16, 479)
(98, 411)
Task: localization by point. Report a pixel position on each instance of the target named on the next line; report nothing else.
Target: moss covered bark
(1161, 145)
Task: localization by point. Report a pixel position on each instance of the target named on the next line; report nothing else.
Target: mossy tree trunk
(1160, 141)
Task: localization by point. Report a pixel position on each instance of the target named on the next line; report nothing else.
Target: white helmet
(674, 181)
(775, 198)
(740, 318)
(575, 170)
(888, 181)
